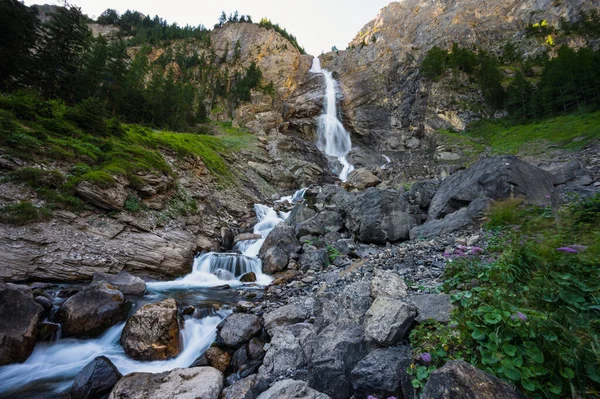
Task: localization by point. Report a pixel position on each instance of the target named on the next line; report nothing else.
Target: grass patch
(470, 148)
(529, 306)
(572, 132)
(23, 213)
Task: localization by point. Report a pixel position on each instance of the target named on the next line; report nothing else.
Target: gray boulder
(111, 197)
(387, 283)
(123, 281)
(152, 333)
(389, 320)
(92, 310)
(471, 215)
(360, 179)
(568, 172)
(382, 373)
(422, 192)
(315, 260)
(19, 317)
(332, 354)
(238, 329)
(285, 355)
(433, 307)
(496, 178)
(292, 313)
(242, 389)
(321, 224)
(291, 389)
(190, 383)
(299, 214)
(350, 304)
(380, 216)
(458, 379)
(279, 246)
(96, 379)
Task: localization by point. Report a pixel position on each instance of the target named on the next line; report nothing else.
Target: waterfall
(332, 138)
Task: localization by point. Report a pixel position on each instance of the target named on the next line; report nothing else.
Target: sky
(317, 24)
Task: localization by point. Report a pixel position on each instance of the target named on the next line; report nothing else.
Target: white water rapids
(50, 369)
(332, 138)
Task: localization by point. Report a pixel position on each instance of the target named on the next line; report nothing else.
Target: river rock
(123, 281)
(190, 383)
(380, 216)
(387, 283)
(237, 329)
(433, 307)
(248, 277)
(360, 179)
(332, 354)
(382, 373)
(111, 198)
(495, 178)
(218, 358)
(278, 248)
(92, 310)
(242, 389)
(458, 379)
(389, 320)
(95, 380)
(152, 333)
(291, 389)
(19, 316)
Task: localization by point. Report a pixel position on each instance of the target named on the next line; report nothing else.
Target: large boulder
(278, 248)
(19, 316)
(92, 310)
(350, 304)
(380, 216)
(242, 389)
(496, 178)
(238, 329)
(315, 259)
(458, 379)
(110, 197)
(123, 281)
(292, 389)
(320, 224)
(191, 383)
(332, 354)
(96, 379)
(286, 356)
(360, 179)
(152, 333)
(295, 312)
(389, 320)
(382, 373)
(468, 216)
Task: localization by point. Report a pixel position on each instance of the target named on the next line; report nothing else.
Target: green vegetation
(265, 23)
(332, 252)
(49, 132)
(529, 307)
(23, 213)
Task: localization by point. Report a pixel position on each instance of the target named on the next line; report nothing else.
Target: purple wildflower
(521, 316)
(446, 254)
(371, 397)
(578, 247)
(567, 249)
(454, 325)
(476, 250)
(392, 397)
(426, 357)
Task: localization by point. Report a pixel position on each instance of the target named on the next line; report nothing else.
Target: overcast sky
(317, 24)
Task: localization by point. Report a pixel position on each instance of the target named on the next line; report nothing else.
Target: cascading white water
(53, 365)
(387, 161)
(332, 138)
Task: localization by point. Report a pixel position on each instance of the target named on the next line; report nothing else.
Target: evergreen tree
(18, 34)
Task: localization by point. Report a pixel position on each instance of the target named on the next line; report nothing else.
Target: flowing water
(50, 369)
(332, 138)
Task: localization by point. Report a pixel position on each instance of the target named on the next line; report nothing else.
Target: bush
(23, 213)
(26, 105)
(90, 116)
(434, 63)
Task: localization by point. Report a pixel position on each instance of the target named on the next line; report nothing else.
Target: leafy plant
(332, 252)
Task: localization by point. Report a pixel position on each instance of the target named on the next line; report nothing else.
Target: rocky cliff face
(386, 103)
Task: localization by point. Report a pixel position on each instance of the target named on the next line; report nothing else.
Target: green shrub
(37, 178)
(133, 204)
(26, 105)
(89, 115)
(528, 313)
(434, 63)
(23, 213)
(332, 252)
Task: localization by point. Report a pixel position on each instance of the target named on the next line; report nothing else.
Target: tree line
(59, 59)
(541, 86)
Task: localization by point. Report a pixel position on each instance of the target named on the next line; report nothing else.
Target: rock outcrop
(19, 316)
(152, 333)
(92, 310)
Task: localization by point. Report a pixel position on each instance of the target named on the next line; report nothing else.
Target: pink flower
(520, 316)
(567, 249)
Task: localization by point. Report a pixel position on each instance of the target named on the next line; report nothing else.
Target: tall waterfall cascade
(332, 138)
